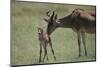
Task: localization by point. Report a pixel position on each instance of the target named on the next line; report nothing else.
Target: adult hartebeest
(44, 41)
(79, 20)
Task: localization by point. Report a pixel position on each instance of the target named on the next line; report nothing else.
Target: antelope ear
(58, 22)
(56, 17)
(45, 19)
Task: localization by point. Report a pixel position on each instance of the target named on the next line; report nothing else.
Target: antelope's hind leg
(79, 43)
(84, 43)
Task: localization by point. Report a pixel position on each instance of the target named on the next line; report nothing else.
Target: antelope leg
(50, 43)
(84, 42)
(79, 43)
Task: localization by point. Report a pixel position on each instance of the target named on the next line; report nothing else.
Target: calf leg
(45, 51)
(40, 52)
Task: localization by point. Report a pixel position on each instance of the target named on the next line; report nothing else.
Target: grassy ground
(24, 37)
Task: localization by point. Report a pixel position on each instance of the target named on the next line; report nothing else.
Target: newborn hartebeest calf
(44, 41)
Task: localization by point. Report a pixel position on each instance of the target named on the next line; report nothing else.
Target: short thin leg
(84, 43)
(52, 49)
(40, 52)
(45, 52)
(79, 43)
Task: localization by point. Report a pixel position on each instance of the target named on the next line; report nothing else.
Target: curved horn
(52, 16)
(56, 16)
(48, 13)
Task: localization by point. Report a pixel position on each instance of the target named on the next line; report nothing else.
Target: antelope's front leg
(79, 43)
(84, 43)
(50, 43)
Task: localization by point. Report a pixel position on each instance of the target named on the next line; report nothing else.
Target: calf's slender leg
(40, 52)
(45, 51)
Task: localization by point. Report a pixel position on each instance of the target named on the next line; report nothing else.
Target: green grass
(24, 38)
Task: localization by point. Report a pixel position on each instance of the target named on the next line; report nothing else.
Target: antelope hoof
(55, 58)
(39, 61)
(47, 59)
(86, 54)
(79, 55)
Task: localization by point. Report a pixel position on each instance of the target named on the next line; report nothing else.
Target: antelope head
(51, 17)
(52, 20)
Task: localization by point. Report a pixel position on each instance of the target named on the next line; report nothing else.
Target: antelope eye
(58, 22)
